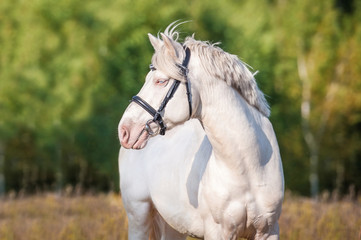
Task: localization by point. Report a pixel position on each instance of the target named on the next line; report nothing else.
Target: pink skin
(135, 139)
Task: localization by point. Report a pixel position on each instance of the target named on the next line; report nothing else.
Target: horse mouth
(141, 141)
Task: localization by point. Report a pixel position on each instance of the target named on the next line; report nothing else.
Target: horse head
(166, 98)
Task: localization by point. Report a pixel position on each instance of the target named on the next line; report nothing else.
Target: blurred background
(68, 69)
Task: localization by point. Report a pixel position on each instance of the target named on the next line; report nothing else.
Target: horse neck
(230, 123)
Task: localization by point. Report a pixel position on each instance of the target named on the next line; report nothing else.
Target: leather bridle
(156, 114)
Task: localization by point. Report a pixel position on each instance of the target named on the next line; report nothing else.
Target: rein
(156, 114)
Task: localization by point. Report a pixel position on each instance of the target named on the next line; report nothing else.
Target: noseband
(156, 114)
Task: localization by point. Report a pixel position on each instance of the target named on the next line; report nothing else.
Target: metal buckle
(149, 129)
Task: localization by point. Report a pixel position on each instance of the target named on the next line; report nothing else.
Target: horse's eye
(161, 82)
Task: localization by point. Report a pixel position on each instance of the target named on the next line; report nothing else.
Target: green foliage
(68, 69)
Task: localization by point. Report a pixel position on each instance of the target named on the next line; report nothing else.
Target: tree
(69, 68)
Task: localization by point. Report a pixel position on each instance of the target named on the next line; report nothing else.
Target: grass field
(50, 216)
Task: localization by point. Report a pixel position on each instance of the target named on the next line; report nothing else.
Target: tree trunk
(2, 162)
(59, 170)
(310, 139)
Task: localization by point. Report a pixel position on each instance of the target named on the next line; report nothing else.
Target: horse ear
(156, 42)
(169, 44)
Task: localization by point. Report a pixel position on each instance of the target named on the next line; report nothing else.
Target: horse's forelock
(166, 62)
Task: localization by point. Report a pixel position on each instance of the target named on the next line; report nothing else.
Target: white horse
(230, 186)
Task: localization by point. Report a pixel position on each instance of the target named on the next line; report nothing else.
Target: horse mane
(229, 68)
(218, 64)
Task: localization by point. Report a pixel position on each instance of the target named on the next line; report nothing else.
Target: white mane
(216, 62)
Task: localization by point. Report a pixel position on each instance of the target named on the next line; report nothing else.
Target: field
(51, 216)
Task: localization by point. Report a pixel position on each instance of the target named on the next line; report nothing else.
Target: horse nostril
(123, 135)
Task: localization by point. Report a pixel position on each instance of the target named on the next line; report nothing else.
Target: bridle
(156, 114)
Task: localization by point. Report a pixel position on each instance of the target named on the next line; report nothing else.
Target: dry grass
(305, 219)
(64, 218)
(103, 217)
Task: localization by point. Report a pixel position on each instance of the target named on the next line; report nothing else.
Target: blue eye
(161, 82)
